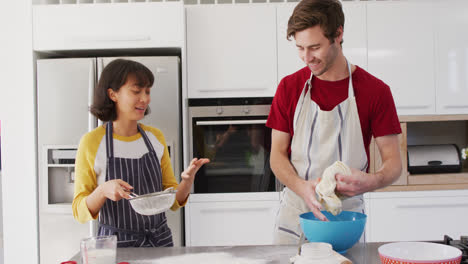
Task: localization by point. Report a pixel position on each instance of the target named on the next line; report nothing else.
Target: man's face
(316, 50)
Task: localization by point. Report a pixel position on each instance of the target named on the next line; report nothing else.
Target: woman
(124, 155)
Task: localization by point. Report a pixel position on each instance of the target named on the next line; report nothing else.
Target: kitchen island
(360, 254)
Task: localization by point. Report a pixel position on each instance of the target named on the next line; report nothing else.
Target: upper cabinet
(288, 57)
(108, 26)
(355, 33)
(451, 57)
(231, 50)
(401, 53)
(354, 38)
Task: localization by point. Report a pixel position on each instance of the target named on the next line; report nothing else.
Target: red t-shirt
(374, 102)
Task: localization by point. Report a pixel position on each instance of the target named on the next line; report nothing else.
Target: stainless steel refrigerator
(64, 93)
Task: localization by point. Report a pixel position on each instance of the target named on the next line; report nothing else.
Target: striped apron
(119, 218)
(320, 138)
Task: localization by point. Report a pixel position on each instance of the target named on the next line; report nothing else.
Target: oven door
(239, 150)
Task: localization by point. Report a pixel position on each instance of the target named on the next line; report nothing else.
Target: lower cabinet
(231, 219)
(221, 220)
(416, 216)
(60, 237)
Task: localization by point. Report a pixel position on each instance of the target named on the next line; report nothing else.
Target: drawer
(231, 223)
(411, 218)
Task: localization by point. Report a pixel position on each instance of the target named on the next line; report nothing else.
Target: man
(325, 112)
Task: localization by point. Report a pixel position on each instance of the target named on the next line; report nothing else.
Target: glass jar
(316, 253)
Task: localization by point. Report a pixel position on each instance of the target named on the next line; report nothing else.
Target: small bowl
(341, 231)
(419, 252)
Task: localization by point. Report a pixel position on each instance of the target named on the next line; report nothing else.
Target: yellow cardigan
(90, 164)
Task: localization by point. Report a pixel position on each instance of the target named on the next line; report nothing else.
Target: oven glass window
(239, 155)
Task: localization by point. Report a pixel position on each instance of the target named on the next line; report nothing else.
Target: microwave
(231, 132)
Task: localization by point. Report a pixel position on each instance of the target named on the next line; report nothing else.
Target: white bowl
(419, 252)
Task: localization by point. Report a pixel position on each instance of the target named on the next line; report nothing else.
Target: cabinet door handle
(239, 209)
(450, 205)
(455, 106)
(412, 106)
(231, 122)
(135, 38)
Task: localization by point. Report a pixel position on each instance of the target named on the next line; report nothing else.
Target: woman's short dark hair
(328, 14)
(114, 76)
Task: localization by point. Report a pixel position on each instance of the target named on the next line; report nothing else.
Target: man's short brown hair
(328, 14)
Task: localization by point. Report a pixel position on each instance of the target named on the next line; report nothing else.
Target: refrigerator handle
(172, 154)
(92, 82)
(100, 66)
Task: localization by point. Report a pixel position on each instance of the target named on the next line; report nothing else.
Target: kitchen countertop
(360, 254)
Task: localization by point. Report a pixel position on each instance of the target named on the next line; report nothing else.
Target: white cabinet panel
(64, 87)
(228, 223)
(288, 57)
(104, 26)
(355, 33)
(60, 237)
(354, 45)
(452, 57)
(231, 51)
(401, 53)
(410, 216)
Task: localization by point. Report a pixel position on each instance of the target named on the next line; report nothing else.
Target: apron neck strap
(350, 84)
(110, 139)
(146, 139)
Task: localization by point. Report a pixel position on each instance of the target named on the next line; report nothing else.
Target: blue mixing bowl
(341, 231)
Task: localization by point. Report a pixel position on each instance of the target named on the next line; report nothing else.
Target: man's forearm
(388, 173)
(389, 148)
(285, 171)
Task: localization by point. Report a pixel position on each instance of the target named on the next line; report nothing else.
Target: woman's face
(131, 100)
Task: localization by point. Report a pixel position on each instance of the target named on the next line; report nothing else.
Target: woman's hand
(115, 190)
(189, 173)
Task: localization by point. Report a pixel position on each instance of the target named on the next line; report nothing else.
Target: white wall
(17, 106)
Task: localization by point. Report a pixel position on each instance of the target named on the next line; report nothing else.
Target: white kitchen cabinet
(401, 53)
(231, 51)
(354, 45)
(61, 98)
(108, 26)
(288, 57)
(423, 215)
(452, 57)
(228, 219)
(60, 237)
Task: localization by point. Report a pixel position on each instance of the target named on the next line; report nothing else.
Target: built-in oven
(231, 132)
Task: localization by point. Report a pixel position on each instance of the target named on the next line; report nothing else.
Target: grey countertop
(359, 254)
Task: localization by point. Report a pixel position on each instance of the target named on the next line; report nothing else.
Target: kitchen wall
(1, 213)
(17, 103)
(1, 203)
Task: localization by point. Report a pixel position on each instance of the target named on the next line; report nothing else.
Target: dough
(325, 189)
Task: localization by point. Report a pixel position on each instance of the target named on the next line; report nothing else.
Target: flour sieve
(153, 203)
